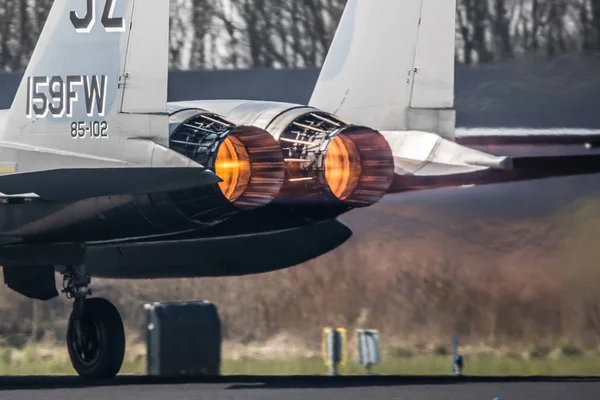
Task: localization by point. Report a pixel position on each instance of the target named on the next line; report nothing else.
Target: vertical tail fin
(99, 71)
(391, 66)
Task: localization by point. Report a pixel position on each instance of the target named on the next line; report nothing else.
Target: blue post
(457, 360)
(455, 346)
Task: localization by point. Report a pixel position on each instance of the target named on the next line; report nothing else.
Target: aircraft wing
(81, 183)
(427, 161)
(557, 138)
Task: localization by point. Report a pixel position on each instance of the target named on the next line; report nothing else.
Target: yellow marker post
(335, 349)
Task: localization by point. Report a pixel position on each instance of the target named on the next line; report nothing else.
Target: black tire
(102, 355)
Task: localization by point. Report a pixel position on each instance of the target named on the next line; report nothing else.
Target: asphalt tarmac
(290, 388)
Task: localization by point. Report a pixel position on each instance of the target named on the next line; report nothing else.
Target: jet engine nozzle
(330, 166)
(359, 166)
(248, 160)
(328, 160)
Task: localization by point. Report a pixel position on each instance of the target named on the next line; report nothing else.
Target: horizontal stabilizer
(19, 196)
(551, 166)
(486, 137)
(420, 153)
(522, 169)
(83, 183)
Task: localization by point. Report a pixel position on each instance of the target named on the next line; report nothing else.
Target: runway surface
(290, 388)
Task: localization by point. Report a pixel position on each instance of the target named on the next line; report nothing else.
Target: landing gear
(95, 335)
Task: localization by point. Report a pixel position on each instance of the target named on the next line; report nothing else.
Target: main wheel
(96, 340)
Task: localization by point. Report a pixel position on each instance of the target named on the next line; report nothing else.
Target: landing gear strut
(95, 335)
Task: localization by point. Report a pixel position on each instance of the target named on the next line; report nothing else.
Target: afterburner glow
(248, 160)
(233, 166)
(331, 163)
(342, 167)
(359, 166)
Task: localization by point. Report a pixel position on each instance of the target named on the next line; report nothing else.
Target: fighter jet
(101, 177)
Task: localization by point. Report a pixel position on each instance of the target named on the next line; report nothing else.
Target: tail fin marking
(92, 76)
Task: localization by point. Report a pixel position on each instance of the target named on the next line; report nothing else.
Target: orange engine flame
(359, 166)
(342, 167)
(250, 163)
(233, 166)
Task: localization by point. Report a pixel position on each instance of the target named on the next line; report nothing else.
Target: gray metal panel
(3, 116)
(221, 107)
(260, 114)
(128, 153)
(147, 69)
(433, 81)
(242, 112)
(77, 184)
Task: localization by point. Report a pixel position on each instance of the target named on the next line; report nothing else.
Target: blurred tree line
(211, 34)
